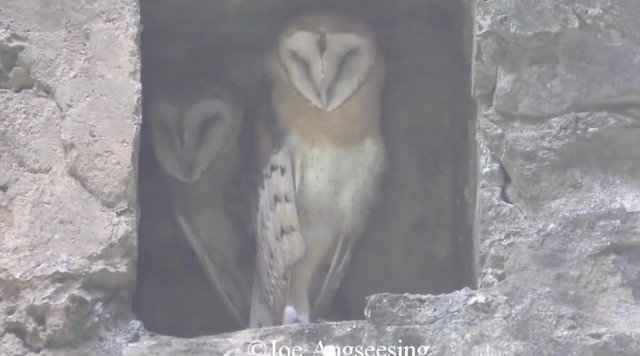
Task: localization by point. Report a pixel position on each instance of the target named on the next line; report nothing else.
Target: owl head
(191, 127)
(326, 57)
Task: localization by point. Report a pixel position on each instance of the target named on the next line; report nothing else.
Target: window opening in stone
(420, 237)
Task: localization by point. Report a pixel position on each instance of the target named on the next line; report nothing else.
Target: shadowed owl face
(327, 57)
(189, 134)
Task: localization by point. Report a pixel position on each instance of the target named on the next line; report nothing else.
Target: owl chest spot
(337, 184)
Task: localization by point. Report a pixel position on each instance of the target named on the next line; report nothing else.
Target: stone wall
(558, 130)
(69, 111)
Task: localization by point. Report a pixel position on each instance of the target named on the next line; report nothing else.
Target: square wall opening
(420, 237)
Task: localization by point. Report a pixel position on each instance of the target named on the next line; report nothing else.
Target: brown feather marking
(282, 246)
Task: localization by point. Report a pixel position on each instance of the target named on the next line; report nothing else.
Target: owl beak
(181, 133)
(319, 76)
(322, 93)
(185, 163)
(187, 167)
(324, 90)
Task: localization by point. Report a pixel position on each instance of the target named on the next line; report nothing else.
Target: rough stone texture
(69, 91)
(559, 135)
(462, 323)
(558, 88)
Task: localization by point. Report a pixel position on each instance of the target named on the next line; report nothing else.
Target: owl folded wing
(212, 269)
(280, 244)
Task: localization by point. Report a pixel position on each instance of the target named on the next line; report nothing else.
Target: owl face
(327, 57)
(188, 136)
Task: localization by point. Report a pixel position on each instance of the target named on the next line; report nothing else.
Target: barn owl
(195, 134)
(322, 160)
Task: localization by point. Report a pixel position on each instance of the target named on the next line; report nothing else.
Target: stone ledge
(462, 323)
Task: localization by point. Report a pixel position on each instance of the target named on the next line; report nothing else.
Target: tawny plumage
(195, 132)
(322, 161)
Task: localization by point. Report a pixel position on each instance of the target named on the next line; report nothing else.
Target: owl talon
(291, 316)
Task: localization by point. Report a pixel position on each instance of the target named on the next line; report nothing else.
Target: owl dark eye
(208, 124)
(162, 127)
(307, 69)
(298, 58)
(344, 61)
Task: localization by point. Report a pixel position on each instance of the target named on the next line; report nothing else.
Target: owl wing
(203, 250)
(280, 244)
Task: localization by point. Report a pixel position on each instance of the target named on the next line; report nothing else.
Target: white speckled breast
(336, 186)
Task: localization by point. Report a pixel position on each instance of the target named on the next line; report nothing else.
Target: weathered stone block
(69, 97)
(558, 135)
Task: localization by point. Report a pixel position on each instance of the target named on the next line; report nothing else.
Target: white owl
(195, 132)
(323, 157)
